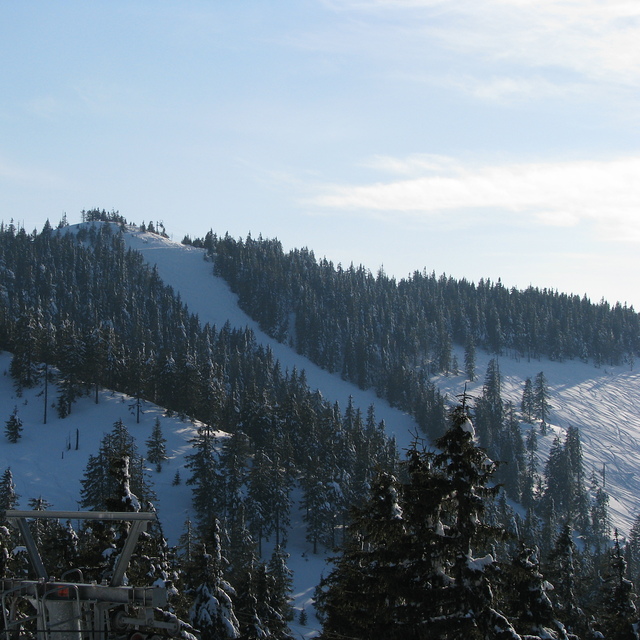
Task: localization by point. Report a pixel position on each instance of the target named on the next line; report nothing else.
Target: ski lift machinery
(65, 609)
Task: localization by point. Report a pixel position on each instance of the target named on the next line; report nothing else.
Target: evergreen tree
(489, 414)
(527, 405)
(563, 570)
(204, 477)
(618, 618)
(529, 604)
(101, 480)
(633, 551)
(8, 496)
(212, 612)
(529, 497)
(470, 358)
(600, 521)
(541, 405)
(13, 427)
(157, 446)
(282, 585)
(409, 569)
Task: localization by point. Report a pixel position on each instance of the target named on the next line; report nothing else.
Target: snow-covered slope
(604, 403)
(184, 268)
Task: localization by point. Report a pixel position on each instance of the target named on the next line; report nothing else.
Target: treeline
(82, 310)
(437, 553)
(374, 329)
(214, 577)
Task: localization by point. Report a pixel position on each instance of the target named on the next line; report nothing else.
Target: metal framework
(78, 610)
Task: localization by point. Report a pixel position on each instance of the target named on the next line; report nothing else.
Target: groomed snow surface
(604, 403)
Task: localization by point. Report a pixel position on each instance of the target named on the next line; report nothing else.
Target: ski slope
(604, 403)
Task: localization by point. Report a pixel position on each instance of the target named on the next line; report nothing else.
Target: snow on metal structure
(61, 609)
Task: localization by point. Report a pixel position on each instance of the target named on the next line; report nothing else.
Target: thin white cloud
(595, 39)
(603, 193)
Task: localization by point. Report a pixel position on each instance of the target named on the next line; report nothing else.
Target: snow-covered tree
(13, 427)
(541, 404)
(157, 446)
(212, 612)
(8, 496)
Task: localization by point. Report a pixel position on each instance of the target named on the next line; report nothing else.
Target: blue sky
(494, 138)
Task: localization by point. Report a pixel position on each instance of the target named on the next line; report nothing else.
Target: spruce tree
(541, 405)
(13, 427)
(527, 403)
(157, 446)
(470, 358)
(529, 604)
(205, 479)
(618, 615)
(8, 496)
(212, 612)
(409, 569)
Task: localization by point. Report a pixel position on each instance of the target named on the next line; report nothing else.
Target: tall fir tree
(212, 612)
(157, 446)
(13, 427)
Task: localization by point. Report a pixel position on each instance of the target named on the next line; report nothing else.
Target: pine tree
(470, 359)
(618, 617)
(212, 612)
(529, 496)
(282, 585)
(8, 496)
(541, 404)
(633, 550)
(364, 596)
(408, 570)
(204, 478)
(529, 604)
(600, 520)
(13, 427)
(563, 569)
(101, 480)
(527, 403)
(157, 446)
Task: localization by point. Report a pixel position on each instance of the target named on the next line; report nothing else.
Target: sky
(481, 139)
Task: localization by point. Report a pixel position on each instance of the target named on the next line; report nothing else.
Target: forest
(462, 536)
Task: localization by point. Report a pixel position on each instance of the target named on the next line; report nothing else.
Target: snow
(604, 403)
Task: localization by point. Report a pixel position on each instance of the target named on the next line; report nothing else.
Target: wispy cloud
(595, 40)
(603, 193)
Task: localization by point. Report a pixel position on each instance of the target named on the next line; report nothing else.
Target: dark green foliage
(156, 446)
(369, 328)
(103, 473)
(13, 427)
(527, 403)
(470, 358)
(8, 496)
(541, 405)
(205, 478)
(212, 612)
(618, 617)
(409, 568)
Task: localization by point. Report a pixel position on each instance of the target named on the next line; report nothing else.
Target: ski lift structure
(72, 609)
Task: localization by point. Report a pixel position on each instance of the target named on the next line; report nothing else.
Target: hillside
(603, 402)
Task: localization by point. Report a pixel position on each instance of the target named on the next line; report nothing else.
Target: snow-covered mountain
(604, 403)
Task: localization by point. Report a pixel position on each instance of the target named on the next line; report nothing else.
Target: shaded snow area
(45, 463)
(604, 403)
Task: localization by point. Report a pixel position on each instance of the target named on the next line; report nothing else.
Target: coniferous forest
(469, 534)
